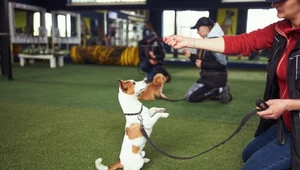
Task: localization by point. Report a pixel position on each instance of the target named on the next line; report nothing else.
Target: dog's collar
(133, 114)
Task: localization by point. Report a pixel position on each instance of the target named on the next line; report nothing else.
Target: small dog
(164, 71)
(154, 89)
(132, 154)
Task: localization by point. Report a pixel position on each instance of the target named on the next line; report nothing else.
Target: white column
(53, 62)
(22, 61)
(60, 61)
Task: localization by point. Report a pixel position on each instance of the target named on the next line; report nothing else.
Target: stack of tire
(124, 56)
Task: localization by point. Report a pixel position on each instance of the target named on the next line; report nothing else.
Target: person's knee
(248, 151)
(143, 66)
(150, 75)
(245, 154)
(194, 97)
(149, 79)
(189, 99)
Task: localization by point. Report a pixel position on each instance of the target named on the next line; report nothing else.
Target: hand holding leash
(262, 105)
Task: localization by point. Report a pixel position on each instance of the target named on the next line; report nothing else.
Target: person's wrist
(191, 42)
(288, 104)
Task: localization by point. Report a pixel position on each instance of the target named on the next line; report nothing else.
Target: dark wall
(29, 2)
(151, 4)
(157, 6)
(242, 21)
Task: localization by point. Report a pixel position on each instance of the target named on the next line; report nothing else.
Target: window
(36, 23)
(260, 18)
(185, 20)
(48, 23)
(168, 22)
(61, 24)
(64, 25)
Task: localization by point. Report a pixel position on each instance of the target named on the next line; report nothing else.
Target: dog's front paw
(157, 109)
(160, 110)
(164, 115)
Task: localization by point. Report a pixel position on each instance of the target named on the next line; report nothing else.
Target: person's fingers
(167, 39)
(173, 43)
(171, 40)
(268, 114)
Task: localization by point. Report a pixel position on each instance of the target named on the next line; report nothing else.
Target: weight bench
(49, 57)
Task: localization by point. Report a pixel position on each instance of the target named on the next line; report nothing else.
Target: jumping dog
(132, 154)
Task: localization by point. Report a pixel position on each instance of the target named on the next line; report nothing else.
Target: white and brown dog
(132, 154)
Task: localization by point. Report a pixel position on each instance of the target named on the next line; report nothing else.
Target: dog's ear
(155, 80)
(164, 78)
(123, 86)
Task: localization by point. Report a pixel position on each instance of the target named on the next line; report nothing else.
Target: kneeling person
(151, 54)
(212, 83)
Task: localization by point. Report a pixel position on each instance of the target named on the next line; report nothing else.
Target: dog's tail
(100, 166)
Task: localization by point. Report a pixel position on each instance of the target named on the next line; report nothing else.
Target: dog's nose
(145, 81)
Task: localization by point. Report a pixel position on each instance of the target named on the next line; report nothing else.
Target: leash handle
(261, 104)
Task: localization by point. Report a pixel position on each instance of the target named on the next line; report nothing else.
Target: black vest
(272, 91)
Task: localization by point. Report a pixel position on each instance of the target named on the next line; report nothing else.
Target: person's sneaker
(225, 96)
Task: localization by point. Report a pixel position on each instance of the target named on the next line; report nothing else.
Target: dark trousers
(149, 69)
(264, 152)
(199, 92)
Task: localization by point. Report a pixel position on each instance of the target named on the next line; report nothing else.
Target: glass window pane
(68, 25)
(168, 22)
(48, 19)
(61, 22)
(260, 18)
(36, 23)
(187, 19)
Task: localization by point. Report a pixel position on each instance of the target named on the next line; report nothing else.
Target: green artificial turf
(66, 118)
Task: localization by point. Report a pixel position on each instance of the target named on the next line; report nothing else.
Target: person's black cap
(147, 33)
(204, 21)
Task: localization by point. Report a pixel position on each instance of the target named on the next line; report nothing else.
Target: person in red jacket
(282, 90)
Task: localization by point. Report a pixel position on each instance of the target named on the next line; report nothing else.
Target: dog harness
(134, 114)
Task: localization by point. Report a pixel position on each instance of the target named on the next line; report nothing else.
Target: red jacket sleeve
(248, 42)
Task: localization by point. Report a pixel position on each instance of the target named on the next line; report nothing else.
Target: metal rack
(29, 38)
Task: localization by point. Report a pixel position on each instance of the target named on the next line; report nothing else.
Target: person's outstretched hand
(176, 41)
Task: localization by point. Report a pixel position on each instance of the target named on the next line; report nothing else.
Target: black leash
(259, 103)
(172, 100)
